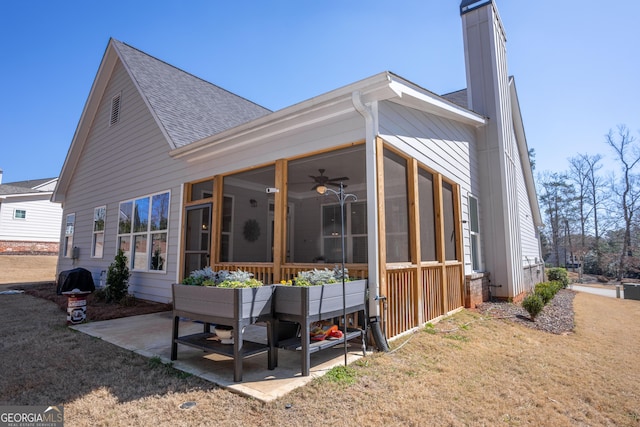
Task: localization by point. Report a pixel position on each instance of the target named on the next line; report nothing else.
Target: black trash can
(631, 291)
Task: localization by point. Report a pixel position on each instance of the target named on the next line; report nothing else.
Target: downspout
(370, 114)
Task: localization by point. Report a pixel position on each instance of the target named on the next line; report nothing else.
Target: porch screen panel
(314, 219)
(396, 211)
(449, 222)
(427, 216)
(247, 224)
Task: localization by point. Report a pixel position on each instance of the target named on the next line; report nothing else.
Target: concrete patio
(150, 336)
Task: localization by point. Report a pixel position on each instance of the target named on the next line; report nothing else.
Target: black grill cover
(78, 278)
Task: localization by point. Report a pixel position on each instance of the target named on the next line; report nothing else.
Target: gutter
(370, 114)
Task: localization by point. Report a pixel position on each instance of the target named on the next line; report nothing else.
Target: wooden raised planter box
(237, 308)
(307, 304)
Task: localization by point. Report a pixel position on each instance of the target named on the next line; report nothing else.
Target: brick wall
(476, 289)
(10, 247)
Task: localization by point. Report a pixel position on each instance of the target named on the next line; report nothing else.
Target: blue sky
(576, 63)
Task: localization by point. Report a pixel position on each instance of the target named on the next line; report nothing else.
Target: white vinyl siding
(442, 145)
(138, 151)
(41, 222)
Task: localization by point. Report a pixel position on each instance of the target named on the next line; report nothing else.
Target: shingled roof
(24, 187)
(188, 107)
(458, 97)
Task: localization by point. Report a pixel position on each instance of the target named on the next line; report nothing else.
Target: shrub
(546, 291)
(117, 278)
(533, 304)
(558, 274)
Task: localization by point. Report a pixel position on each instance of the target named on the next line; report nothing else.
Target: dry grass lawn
(27, 268)
(466, 370)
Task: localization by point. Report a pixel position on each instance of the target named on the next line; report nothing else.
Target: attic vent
(115, 110)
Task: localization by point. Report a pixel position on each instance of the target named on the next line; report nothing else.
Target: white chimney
(0, 176)
(488, 93)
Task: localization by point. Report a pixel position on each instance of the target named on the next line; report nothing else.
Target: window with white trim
(355, 232)
(97, 245)
(143, 226)
(474, 233)
(68, 235)
(19, 214)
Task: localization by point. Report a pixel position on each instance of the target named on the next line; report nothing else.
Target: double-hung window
(474, 233)
(68, 235)
(142, 231)
(355, 232)
(97, 245)
(19, 214)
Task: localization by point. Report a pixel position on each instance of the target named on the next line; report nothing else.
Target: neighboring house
(29, 221)
(181, 174)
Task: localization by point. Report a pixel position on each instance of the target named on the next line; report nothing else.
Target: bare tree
(556, 197)
(628, 154)
(594, 192)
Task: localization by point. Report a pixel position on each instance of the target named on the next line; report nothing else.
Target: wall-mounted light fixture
(253, 203)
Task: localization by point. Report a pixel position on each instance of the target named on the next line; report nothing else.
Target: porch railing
(406, 309)
(400, 307)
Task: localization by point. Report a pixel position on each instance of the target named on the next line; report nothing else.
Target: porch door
(197, 252)
(271, 223)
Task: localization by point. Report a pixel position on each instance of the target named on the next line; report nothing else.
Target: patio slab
(150, 335)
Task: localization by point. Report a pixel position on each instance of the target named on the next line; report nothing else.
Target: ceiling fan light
(321, 189)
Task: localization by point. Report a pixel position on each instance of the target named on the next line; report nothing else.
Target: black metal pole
(344, 287)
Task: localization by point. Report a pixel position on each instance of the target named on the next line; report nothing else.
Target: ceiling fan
(322, 180)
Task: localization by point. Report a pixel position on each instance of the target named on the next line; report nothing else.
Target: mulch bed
(556, 317)
(96, 310)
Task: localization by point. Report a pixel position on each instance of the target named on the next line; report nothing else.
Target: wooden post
(440, 243)
(457, 212)
(280, 219)
(382, 239)
(216, 219)
(414, 240)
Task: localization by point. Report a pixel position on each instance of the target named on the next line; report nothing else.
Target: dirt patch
(96, 310)
(556, 317)
(27, 268)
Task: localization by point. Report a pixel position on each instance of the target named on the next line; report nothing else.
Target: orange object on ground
(320, 334)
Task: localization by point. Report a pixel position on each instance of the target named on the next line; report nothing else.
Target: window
(19, 214)
(97, 245)
(355, 232)
(68, 235)
(142, 231)
(115, 110)
(474, 233)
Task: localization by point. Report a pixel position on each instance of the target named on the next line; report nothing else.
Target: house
(181, 174)
(29, 221)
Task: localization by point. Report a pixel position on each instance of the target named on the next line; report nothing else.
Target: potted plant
(233, 299)
(317, 294)
(314, 296)
(220, 293)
